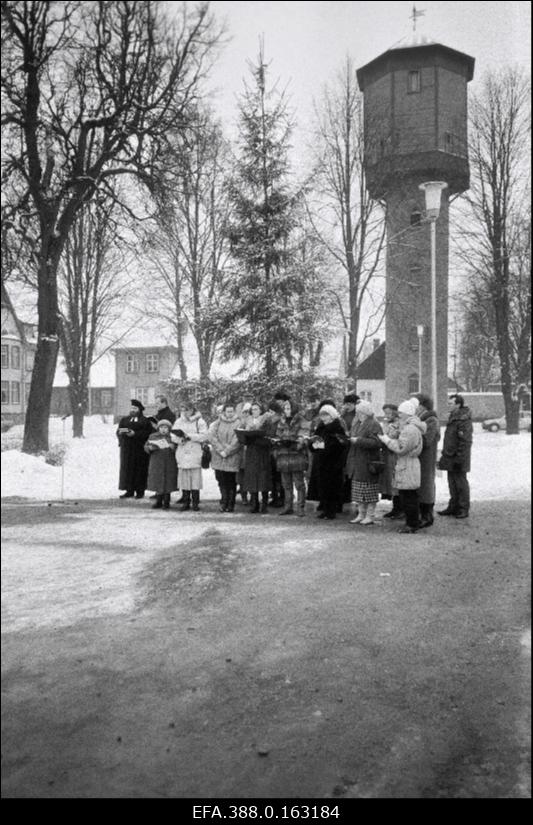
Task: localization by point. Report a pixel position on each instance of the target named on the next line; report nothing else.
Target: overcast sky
(306, 42)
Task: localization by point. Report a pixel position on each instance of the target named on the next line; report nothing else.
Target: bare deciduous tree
(89, 92)
(187, 247)
(495, 229)
(349, 223)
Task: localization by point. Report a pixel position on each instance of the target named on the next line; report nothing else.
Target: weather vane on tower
(415, 14)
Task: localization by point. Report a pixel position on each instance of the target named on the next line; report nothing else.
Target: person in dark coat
(278, 493)
(455, 458)
(348, 411)
(257, 459)
(312, 487)
(329, 448)
(132, 433)
(427, 458)
(365, 450)
(162, 470)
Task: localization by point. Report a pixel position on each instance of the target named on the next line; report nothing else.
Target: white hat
(331, 411)
(408, 407)
(165, 422)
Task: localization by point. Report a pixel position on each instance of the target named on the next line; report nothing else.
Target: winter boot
(166, 501)
(289, 499)
(264, 501)
(254, 501)
(354, 509)
(224, 497)
(396, 512)
(361, 514)
(186, 500)
(426, 515)
(231, 500)
(195, 499)
(370, 513)
(158, 502)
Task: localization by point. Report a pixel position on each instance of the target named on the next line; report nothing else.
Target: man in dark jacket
(164, 413)
(132, 433)
(455, 458)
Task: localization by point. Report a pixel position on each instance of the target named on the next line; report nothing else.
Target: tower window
(413, 383)
(413, 82)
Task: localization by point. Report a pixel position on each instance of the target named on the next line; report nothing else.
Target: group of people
(277, 455)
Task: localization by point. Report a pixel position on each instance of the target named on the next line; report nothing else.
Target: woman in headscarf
(363, 463)
(328, 445)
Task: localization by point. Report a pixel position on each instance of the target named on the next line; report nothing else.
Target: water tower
(415, 121)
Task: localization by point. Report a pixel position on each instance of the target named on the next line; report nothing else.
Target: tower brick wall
(415, 120)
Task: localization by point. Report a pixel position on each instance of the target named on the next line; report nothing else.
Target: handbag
(376, 467)
(206, 456)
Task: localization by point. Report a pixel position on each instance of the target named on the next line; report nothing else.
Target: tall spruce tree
(265, 211)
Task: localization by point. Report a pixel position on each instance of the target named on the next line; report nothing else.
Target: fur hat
(165, 422)
(351, 398)
(408, 407)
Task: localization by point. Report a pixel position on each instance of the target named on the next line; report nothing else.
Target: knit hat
(408, 407)
(365, 407)
(246, 407)
(165, 422)
(331, 411)
(390, 407)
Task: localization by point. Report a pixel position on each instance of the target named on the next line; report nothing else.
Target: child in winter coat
(189, 433)
(162, 470)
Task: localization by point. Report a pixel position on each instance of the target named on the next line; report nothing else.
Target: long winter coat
(366, 449)
(133, 459)
(392, 429)
(329, 461)
(189, 454)
(222, 437)
(408, 447)
(457, 445)
(258, 464)
(162, 471)
(292, 457)
(428, 457)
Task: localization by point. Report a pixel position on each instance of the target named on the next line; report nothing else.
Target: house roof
(6, 301)
(373, 367)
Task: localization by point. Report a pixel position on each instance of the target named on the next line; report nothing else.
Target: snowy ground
(500, 466)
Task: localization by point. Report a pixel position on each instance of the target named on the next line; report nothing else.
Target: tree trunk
(179, 344)
(78, 404)
(42, 379)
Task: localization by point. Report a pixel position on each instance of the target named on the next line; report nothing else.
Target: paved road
(199, 655)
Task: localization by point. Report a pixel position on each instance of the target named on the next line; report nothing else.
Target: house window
(15, 357)
(5, 392)
(107, 399)
(146, 395)
(27, 386)
(365, 395)
(413, 82)
(15, 392)
(152, 362)
(132, 364)
(30, 359)
(5, 356)
(413, 383)
(416, 217)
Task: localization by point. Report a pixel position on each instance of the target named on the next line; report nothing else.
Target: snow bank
(500, 466)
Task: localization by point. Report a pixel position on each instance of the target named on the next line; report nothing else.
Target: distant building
(139, 372)
(371, 382)
(19, 343)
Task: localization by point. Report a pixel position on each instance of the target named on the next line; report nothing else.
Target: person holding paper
(163, 470)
